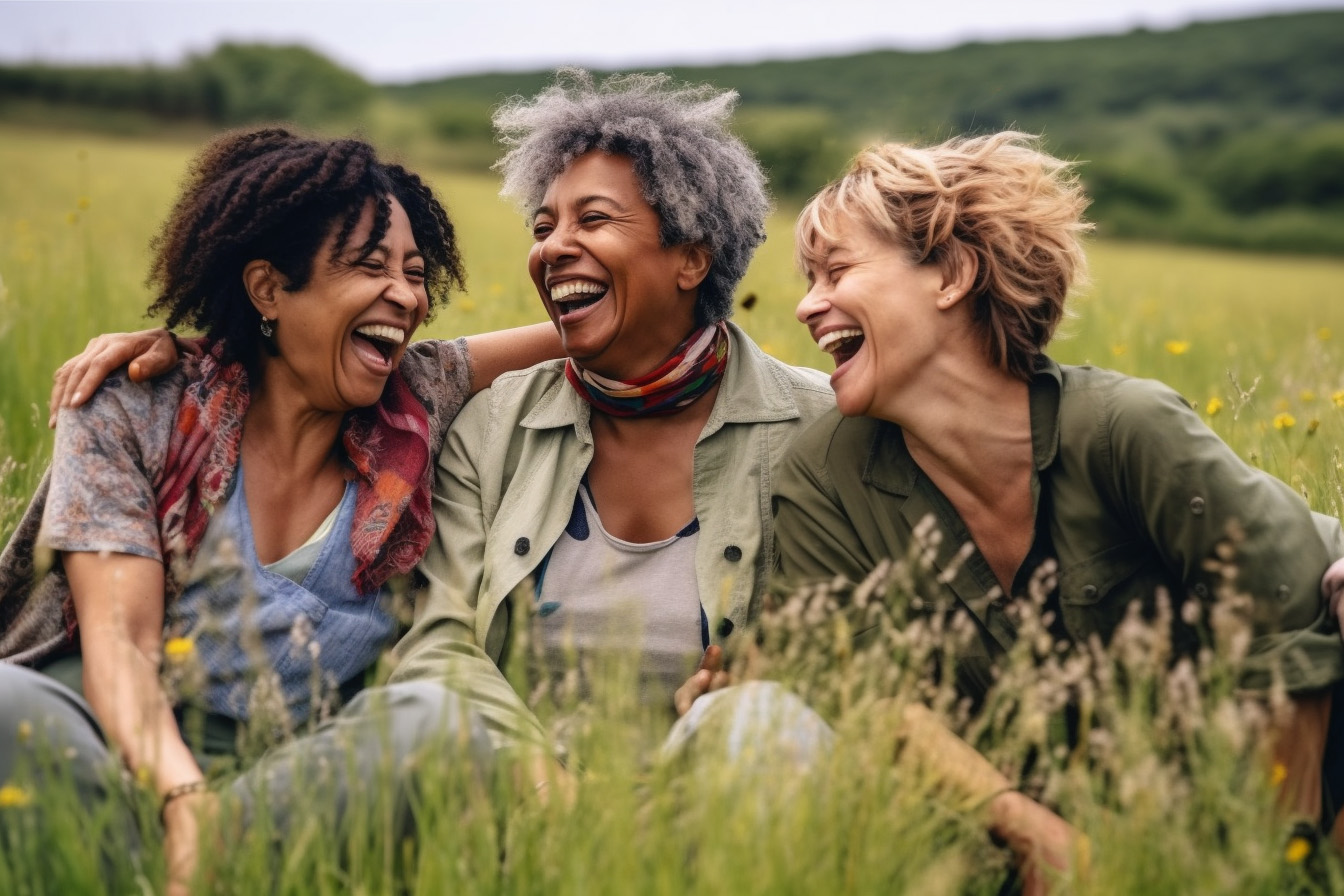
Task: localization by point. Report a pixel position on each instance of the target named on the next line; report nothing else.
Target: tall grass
(1170, 786)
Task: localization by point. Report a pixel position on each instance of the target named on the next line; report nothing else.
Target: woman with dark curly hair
(255, 506)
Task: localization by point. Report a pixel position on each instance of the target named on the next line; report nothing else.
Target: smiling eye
(541, 230)
(417, 274)
(370, 264)
(594, 218)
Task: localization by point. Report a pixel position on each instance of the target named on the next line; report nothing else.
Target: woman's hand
(146, 354)
(711, 676)
(1332, 589)
(1047, 847)
(183, 819)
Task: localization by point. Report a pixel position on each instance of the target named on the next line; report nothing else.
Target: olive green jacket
(1131, 492)
(506, 483)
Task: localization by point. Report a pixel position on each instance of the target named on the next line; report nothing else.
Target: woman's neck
(970, 422)
(287, 435)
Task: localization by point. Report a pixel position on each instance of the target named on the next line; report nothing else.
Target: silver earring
(266, 329)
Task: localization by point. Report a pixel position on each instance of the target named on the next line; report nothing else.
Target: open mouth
(383, 339)
(576, 295)
(842, 345)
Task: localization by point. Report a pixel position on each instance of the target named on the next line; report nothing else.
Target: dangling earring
(266, 329)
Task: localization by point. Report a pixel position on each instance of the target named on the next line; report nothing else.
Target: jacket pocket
(1094, 593)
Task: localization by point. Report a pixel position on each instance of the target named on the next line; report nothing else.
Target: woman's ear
(262, 282)
(695, 262)
(959, 269)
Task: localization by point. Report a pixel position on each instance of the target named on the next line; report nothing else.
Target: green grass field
(1176, 803)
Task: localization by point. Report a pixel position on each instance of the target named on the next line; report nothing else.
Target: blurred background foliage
(1227, 134)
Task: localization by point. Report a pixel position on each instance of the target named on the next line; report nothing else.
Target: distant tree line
(234, 84)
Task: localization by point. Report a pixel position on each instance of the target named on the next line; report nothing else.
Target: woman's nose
(810, 304)
(400, 292)
(557, 246)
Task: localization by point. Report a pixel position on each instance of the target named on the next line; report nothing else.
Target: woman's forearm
(119, 605)
(515, 349)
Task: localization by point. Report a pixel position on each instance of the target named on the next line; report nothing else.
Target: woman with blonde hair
(937, 276)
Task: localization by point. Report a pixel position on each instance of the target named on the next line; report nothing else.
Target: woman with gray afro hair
(704, 183)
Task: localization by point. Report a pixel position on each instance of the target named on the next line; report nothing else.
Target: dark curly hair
(272, 195)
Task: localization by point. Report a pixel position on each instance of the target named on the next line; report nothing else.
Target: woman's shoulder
(147, 408)
(1115, 393)
(834, 439)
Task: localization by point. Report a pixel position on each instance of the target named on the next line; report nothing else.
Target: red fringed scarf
(387, 444)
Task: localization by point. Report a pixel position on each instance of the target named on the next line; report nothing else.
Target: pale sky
(405, 40)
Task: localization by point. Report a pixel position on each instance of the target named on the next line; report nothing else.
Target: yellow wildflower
(1278, 774)
(1306, 396)
(1338, 398)
(466, 304)
(1323, 334)
(179, 648)
(83, 203)
(12, 796)
(1214, 406)
(1298, 848)
(71, 218)
(1284, 421)
(1177, 346)
(1119, 349)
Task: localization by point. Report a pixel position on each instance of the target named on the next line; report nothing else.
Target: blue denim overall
(256, 631)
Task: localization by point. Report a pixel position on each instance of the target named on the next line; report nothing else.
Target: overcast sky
(397, 40)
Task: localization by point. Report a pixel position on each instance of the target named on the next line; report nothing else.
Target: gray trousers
(379, 746)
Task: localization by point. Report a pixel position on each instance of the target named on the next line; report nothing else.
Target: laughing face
(876, 314)
(620, 299)
(342, 335)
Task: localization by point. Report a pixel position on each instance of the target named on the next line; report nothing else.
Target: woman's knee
(43, 723)
(758, 721)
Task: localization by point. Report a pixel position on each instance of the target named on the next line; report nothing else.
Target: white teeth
(381, 331)
(832, 340)
(574, 287)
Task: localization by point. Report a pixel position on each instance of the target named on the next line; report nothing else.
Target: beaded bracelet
(177, 790)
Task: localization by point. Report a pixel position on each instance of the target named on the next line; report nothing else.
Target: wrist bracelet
(177, 790)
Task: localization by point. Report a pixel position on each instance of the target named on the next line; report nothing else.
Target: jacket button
(725, 627)
(522, 546)
(1197, 506)
(1089, 592)
(733, 553)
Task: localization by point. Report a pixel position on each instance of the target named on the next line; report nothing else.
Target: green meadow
(1177, 800)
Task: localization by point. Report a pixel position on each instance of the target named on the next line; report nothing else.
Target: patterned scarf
(387, 444)
(692, 370)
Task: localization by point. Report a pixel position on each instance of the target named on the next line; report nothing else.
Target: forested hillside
(1227, 133)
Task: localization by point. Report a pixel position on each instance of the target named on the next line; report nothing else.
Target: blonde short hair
(999, 199)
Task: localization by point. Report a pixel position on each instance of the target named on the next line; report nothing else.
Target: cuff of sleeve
(1302, 661)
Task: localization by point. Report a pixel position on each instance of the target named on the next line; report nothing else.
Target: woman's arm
(1190, 491)
(516, 349)
(119, 605)
(150, 353)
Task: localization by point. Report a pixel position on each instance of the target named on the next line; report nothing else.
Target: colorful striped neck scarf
(692, 370)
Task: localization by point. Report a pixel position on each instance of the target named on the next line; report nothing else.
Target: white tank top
(601, 598)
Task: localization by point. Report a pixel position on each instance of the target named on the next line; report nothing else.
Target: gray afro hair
(704, 183)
